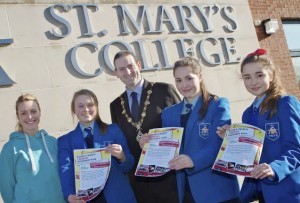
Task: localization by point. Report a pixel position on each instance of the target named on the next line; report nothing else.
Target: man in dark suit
(137, 110)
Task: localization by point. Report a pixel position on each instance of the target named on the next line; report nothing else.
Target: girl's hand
(180, 162)
(221, 130)
(262, 171)
(116, 151)
(144, 139)
(75, 199)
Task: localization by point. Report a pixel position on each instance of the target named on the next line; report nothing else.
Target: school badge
(272, 131)
(204, 130)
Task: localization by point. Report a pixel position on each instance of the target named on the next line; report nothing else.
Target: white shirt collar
(138, 89)
(82, 127)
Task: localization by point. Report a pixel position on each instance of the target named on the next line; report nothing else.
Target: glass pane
(296, 63)
(292, 33)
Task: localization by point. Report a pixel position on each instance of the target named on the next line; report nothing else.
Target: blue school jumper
(281, 151)
(202, 144)
(117, 188)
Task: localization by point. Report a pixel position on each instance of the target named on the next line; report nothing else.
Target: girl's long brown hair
(275, 90)
(196, 69)
(103, 126)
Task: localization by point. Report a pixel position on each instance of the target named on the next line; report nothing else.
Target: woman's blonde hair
(275, 90)
(196, 69)
(21, 99)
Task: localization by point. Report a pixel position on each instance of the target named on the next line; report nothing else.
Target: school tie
(134, 107)
(188, 107)
(186, 115)
(89, 141)
(253, 116)
(255, 109)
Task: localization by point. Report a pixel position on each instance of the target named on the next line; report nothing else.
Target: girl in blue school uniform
(277, 177)
(92, 132)
(199, 113)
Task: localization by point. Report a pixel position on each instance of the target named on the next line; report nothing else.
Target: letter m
(124, 16)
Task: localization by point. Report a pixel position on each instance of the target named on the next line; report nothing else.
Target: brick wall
(276, 43)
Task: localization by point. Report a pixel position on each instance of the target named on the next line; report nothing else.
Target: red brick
(276, 44)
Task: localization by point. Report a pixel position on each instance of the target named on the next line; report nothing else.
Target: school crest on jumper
(272, 131)
(204, 130)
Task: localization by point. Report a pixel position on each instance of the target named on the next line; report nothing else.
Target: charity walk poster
(241, 150)
(92, 167)
(164, 145)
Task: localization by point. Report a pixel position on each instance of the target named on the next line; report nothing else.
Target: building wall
(41, 64)
(276, 43)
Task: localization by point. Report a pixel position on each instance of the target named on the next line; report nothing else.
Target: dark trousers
(261, 197)
(99, 199)
(235, 200)
(188, 197)
(155, 190)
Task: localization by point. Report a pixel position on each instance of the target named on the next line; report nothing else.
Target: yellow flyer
(241, 149)
(92, 168)
(156, 154)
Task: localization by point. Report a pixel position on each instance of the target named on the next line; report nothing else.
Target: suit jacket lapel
(126, 105)
(177, 114)
(146, 87)
(78, 141)
(98, 137)
(262, 118)
(245, 118)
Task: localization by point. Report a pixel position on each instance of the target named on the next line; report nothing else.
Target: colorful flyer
(92, 168)
(156, 154)
(241, 149)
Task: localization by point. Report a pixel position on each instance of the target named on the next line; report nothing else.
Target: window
(292, 33)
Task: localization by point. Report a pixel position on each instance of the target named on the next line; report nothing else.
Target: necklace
(138, 124)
